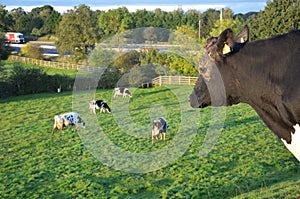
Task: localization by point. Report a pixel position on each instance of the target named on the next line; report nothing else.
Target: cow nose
(193, 100)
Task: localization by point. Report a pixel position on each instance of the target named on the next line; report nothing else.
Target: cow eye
(202, 70)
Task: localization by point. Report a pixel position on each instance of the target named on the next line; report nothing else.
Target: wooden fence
(161, 80)
(53, 64)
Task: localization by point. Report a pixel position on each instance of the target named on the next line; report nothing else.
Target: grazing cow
(263, 73)
(67, 119)
(99, 104)
(159, 128)
(122, 91)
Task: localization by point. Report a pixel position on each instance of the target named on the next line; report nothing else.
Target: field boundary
(162, 80)
(53, 64)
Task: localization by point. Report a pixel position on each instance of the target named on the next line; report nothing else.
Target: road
(49, 48)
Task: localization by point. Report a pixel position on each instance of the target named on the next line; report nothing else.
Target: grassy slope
(8, 65)
(248, 161)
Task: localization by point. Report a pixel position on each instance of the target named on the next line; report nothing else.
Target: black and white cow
(122, 91)
(99, 104)
(264, 74)
(159, 128)
(67, 119)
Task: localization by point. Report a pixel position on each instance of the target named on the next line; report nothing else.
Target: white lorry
(14, 37)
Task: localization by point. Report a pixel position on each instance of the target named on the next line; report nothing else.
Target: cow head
(156, 125)
(127, 92)
(80, 121)
(209, 88)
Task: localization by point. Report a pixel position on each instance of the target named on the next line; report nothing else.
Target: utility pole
(221, 18)
(221, 14)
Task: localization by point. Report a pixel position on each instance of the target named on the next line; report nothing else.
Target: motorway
(49, 48)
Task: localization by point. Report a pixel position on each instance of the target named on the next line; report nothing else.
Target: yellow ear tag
(226, 49)
(242, 40)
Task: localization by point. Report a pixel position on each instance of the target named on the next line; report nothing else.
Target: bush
(28, 80)
(24, 80)
(32, 51)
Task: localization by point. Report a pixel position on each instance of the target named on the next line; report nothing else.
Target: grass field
(248, 161)
(8, 65)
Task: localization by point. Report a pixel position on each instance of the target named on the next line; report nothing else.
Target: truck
(14, 37)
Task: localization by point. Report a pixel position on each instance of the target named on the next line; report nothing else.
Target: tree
(50, 18)
(77, 33)
(36, 32)
(192, 19)
(4, 49)
(23, 24)
(115, 21)
(235, 24)
(17, 15)
(101, 57)
(143, 18)
(208, 19)
(127, 61)
(279, 16)
(181, 65)
(4, 19)
(186, 30)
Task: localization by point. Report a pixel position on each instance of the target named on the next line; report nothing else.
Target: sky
(238, 6)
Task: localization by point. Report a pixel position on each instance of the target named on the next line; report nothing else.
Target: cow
(159, 128)
(122, 91)
(263, 73)
(99, 104)
(67, 119)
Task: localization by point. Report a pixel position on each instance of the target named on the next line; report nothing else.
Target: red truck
(14, 37)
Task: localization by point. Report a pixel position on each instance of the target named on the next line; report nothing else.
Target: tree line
(79, 29)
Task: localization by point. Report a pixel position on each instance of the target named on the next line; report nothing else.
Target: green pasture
(247, 161)
(8, 66)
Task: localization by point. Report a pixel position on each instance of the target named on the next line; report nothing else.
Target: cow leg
(55, 126)
(152, 139)
(164, 135)
(60, 129)
(76, 127)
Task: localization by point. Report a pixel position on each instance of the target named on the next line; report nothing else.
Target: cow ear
(243, 36)
(226, 41)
